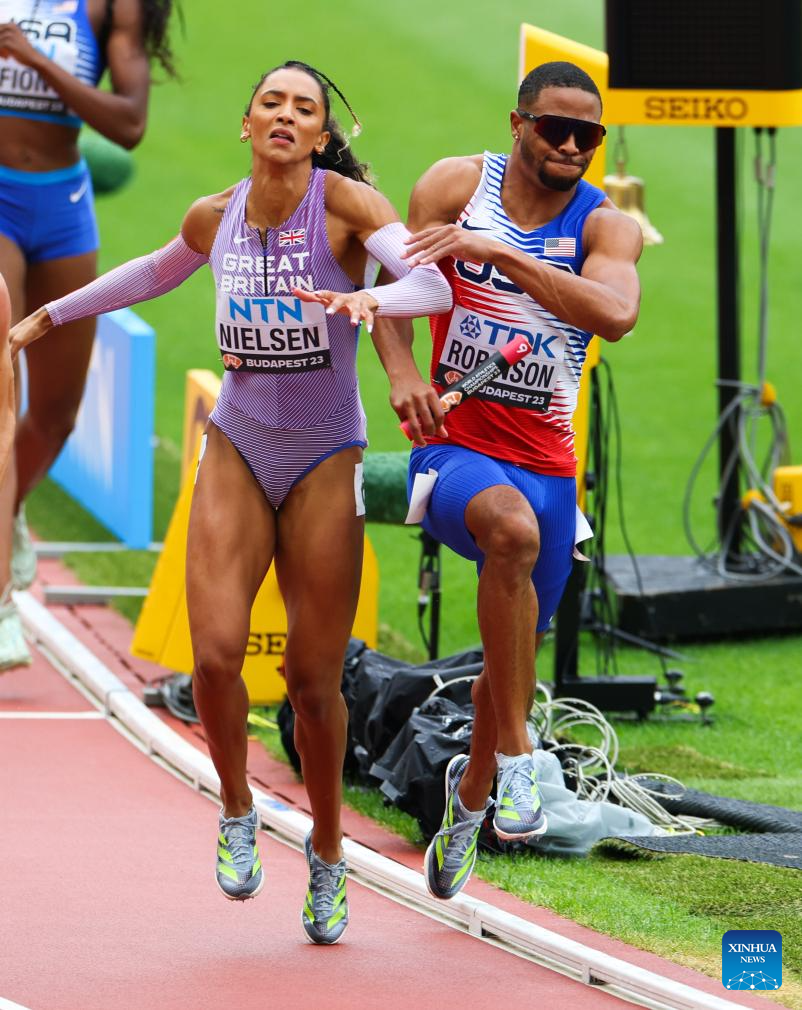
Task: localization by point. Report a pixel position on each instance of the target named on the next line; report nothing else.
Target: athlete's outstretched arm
(119, 114)
(138, 280)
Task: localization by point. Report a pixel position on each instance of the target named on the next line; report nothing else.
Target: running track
(108, 899)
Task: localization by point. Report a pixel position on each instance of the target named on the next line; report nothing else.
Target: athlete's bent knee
(314, 702)
(514, 539)
(55, 427)
(217, 666)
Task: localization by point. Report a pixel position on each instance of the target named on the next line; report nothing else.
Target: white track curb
(479, 918)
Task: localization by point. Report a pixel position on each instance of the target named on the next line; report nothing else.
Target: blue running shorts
(462, 474)
(49, 215)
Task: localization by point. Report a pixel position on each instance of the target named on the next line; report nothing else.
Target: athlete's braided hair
(155, 30)
(337, 156)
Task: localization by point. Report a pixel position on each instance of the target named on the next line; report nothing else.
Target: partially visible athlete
(530, 250)
(6, 381)
(53, 54)
(13, 645)
(281, 462)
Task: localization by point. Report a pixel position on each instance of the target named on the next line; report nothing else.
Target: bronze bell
(626, 192)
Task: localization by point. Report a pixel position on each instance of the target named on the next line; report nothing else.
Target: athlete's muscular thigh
(12, 267)
(57, 366)
(319, 561)
(229, 549)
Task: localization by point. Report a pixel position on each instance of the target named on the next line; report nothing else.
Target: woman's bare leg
(319, 565)
(12, 267)
(229, 549)
(8, 397)
(57, 368)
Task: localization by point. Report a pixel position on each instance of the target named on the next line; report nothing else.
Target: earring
(243, 138)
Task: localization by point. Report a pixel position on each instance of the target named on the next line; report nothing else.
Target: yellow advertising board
(162, 631)
(681, 107)
(200, 395)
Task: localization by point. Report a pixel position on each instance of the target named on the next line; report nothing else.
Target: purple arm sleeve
(421, 291)
(135, 281)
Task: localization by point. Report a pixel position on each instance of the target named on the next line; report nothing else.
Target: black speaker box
(737, 45)
(679, 598)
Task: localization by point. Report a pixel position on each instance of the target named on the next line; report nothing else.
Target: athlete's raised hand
(432, 244)
(28, 330)
(359, 306)
(14, 42)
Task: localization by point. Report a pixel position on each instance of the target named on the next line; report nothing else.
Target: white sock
(502, 760)
(465, 813)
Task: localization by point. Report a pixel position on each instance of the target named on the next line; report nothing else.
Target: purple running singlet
(290, 396)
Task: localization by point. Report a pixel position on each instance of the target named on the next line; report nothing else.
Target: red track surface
(108, 899)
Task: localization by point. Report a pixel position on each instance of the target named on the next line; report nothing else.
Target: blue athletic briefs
(462, 474)
(49, 215)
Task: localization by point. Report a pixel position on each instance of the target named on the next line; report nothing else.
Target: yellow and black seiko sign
(626, 106)
(663, 106)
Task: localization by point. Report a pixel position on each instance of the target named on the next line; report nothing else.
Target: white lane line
(52, 715)
(479, 918)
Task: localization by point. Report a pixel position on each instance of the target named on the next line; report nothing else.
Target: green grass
(445, 84)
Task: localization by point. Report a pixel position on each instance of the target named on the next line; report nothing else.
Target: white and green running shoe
(325, 911)
(451, 854)
(23, 556)
(519, 814)
(239, 868)
(13, 648)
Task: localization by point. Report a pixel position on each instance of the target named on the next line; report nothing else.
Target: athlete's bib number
(473, 337)
(273, 335)
(21, 87)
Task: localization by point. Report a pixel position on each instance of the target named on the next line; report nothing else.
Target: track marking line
(6, 1004)
(94, 714)
(128, 714)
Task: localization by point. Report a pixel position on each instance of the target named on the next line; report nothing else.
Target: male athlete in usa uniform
(532, 251)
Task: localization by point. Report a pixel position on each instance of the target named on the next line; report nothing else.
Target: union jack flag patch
(295, 237)
(560, 246)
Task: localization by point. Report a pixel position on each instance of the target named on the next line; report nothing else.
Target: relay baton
(497, 364)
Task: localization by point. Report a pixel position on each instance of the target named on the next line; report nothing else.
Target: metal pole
(729, 350)
(429, 589)
(566, 644)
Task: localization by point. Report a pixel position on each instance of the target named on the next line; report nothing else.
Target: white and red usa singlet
(525, 416)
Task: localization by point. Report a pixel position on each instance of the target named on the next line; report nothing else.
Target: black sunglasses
(555, 130)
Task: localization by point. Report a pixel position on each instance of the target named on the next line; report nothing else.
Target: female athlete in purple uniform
(280, 472)
(53, 54)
